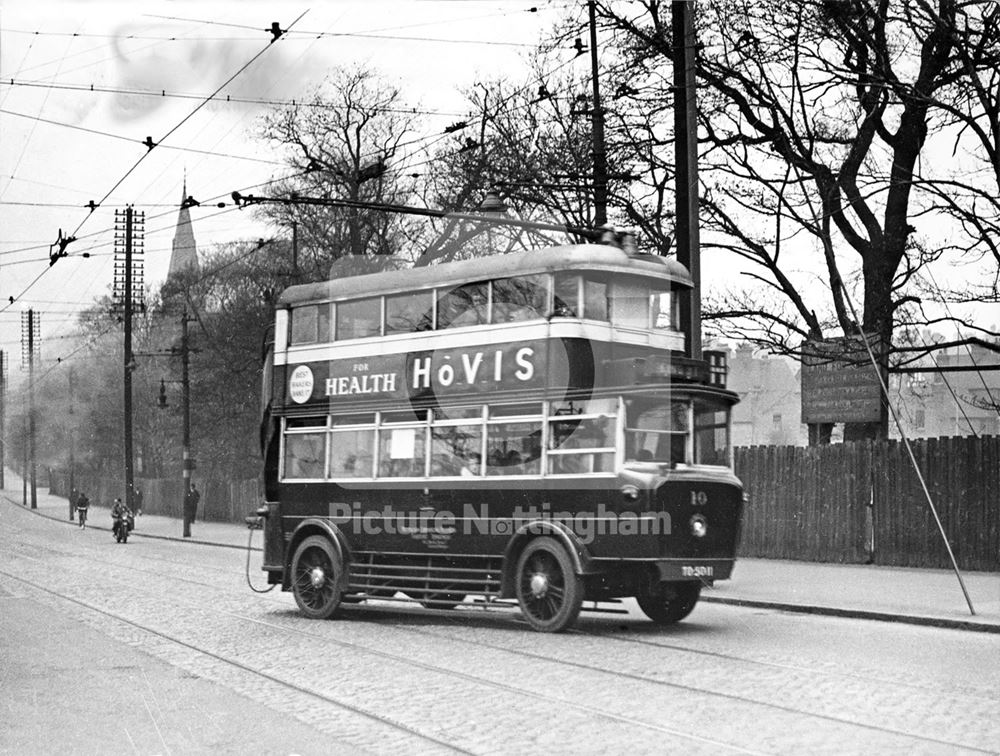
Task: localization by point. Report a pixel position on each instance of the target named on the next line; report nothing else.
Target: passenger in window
(471, 467)
(570, 464)
(562, 310)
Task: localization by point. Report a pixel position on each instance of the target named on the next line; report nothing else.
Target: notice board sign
(839, 382)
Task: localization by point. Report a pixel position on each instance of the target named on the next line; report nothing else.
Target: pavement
(892, 594)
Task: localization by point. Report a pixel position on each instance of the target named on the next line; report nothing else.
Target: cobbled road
(390, 678)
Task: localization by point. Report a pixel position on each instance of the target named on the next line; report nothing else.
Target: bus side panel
(480, 519)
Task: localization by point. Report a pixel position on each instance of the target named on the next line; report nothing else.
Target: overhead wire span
(63, 241)
(371, 33)
(133, 140)
(164, 94)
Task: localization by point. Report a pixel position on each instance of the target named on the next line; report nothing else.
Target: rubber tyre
(555, 604)
(316, 571)
(668, 603)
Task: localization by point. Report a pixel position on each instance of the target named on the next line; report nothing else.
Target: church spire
(184, 257)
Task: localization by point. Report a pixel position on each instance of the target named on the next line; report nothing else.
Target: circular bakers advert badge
(300, 385)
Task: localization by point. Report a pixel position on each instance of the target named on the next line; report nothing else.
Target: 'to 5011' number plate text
(699, 571)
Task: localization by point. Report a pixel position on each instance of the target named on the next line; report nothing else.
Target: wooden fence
(852, 503)
(221, 500)
(863, 502)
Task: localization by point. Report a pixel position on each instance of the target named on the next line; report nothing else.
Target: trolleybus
(522, 426)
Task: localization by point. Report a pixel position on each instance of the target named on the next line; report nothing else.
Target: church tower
(184, 258)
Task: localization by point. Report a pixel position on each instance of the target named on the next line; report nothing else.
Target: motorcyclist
(120, 514)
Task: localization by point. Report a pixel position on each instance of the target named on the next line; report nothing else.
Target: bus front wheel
(549, 591)
(667, 603)
(316, 571)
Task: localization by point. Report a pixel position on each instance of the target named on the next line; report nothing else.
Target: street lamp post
(187, 460)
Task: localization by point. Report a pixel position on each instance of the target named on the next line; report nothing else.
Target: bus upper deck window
(462, 306)
(305, 324)
(521, 298)
(359, 318)
(595, 299)
(665, 310)
(577, 296)
(566, 295)
(409, 313)
(630, 305)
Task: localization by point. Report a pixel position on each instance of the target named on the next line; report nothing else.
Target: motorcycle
(123, 525)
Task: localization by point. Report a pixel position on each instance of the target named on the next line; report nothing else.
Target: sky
(84, 84)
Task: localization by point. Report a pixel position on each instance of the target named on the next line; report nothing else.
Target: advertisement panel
(434, 374)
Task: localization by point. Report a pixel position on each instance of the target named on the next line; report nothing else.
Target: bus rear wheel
(549, 591)
(316, 571)
(667, 603)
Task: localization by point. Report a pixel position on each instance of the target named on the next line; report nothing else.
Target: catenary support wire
(906, 443)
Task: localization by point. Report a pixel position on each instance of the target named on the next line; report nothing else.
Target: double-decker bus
(521, 426)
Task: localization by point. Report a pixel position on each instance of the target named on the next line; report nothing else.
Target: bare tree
(817, 118)
(344, 143)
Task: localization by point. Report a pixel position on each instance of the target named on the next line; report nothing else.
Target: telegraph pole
(128, 241)
(29, 335)
(686, 169)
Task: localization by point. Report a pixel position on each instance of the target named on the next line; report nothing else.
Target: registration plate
(699, 571)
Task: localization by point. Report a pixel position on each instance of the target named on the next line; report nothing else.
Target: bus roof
(583, 257)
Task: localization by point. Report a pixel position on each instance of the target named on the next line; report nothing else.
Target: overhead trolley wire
(276, 31)
(163, 93)
(377, 33)
(133, 140)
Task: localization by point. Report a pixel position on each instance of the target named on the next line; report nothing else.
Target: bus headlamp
(699, 526)
(630, 493)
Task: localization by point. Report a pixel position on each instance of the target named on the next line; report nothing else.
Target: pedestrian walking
(191, 499)
(137, 501)
(82, 505)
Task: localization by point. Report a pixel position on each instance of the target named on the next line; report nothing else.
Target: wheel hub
(539, 584)
(317, 577)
